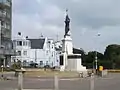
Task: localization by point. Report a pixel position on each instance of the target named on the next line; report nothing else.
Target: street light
(96, 57)
(96, 61)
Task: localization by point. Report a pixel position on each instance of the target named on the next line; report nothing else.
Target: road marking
(69, 79)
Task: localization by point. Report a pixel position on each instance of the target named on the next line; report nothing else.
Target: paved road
(112, 82)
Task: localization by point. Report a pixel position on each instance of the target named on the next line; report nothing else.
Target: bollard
(20, 81)
(92, 82)
(2, 77)
(2, 73)
(56, 87)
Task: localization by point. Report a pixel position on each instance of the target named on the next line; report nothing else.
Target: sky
(88, 19)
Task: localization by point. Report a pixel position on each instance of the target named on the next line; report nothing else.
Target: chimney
(26, 37)
(19, 33)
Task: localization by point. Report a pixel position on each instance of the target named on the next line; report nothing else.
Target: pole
(2, 72)
(35, 55)
(56, 84)
(0, 33)
(96, 58)
(92, 82)
(4, 62)
(20, 81)
(96, 64)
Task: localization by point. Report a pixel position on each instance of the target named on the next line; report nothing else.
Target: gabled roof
(37, 43)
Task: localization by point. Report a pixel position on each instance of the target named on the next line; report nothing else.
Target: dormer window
(48, 41)
(19, 43)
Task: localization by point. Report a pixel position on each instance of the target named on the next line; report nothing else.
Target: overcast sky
(88, 18)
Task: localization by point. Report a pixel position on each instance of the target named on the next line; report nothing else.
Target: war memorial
(69, 62)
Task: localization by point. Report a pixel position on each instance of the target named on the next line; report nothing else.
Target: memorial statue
(67, 22)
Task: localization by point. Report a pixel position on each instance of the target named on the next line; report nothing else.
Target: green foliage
(112, 53)
(105, 63)
(89, 59)
(110, 58)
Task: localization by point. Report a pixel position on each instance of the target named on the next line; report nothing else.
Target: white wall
(48, 54)
(67, 45)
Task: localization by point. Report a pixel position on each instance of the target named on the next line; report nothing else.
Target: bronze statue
(67, 22)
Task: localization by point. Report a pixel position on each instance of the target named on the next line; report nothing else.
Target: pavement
(111, 82)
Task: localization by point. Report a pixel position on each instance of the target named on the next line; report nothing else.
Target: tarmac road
(112, 82)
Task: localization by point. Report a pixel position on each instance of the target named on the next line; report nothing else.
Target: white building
(42, 51)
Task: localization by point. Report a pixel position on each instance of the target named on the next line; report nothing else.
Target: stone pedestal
(71, 62)
(67, 46)
(74, 63)
(64, 60)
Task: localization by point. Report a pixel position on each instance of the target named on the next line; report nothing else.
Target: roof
(37, 43)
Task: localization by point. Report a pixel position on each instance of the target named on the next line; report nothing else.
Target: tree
(112, 54)
(90, 58)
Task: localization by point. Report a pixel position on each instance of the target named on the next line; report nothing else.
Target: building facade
(5, 31)
(41, 51)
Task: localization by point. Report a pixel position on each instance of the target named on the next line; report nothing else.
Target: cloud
(92, 13)
(88, 17)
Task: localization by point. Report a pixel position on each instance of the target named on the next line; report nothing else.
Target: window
(46, 52)
(31, 62)
(23, 43)
(52, 46)
(19, 43)
(49, 44)
(7, 26)
(41, 62)
(8, 15)
(3, 24)
(19, 53)
(61, 60)
(0, 13)
(26, 43)
(29, 44)
(46, 62)
(25, 53)
(24, 62)
(4, 13)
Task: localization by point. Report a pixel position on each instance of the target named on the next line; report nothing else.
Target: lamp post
(96, 57)
(96, 61)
